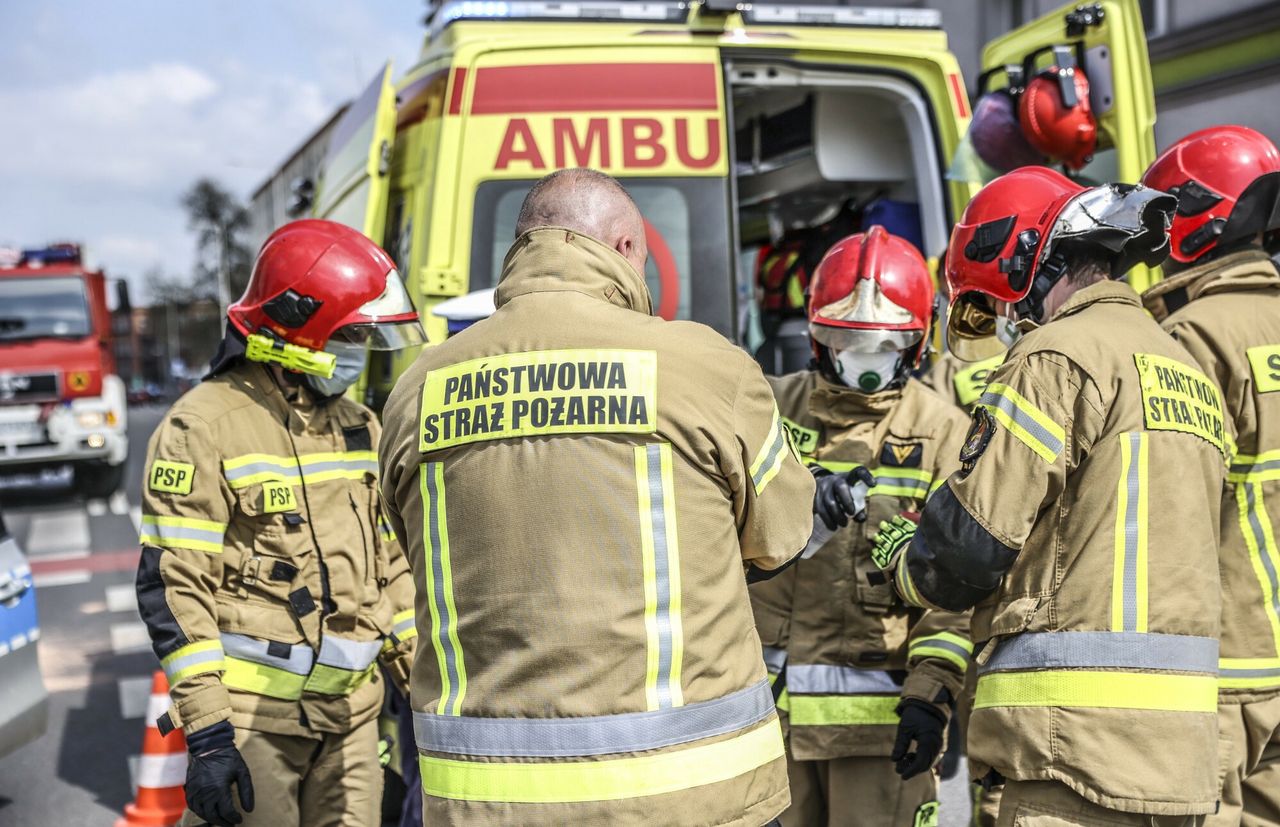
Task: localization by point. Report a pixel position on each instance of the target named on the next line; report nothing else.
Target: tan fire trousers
(1050, 804)
(863, 791)
(1249, 740)
(332, 781)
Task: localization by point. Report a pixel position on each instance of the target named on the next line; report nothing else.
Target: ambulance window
(677, 249)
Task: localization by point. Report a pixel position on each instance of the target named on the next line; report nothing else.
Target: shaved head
(588, 202)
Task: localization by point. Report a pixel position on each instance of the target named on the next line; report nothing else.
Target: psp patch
(981, 430)
(171, 477)
(278, 497)
(902, 455)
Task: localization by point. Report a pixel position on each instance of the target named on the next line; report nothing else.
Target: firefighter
(270, 581)
(1221, 301)
(581, 486)
(870, 682)
(1083, 523)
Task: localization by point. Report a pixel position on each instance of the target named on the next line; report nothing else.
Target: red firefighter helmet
(1056, 116)
(1003, 248)
(1227, 180)
(871, 293)
(313, 278)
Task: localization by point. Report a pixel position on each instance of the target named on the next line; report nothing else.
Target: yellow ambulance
(730, 123)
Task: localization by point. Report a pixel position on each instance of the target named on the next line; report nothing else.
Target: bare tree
(219, 220)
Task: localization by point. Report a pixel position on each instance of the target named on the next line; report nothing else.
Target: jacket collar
(1104, 292)
(839, 406)
(1249, 269)
(555, 259)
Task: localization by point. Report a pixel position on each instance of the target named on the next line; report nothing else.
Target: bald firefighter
(581, 487)
(870, 683)
(1221, 301)
(270, 582)
(1083, 524)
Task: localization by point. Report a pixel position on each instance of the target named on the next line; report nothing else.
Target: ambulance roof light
(594, 10)
(887, 18)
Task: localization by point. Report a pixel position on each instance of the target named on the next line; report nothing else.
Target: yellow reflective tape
(1255, 525)
(160, 538)
(262, 680)
(1142, 597)
(1177, 397)
(1262, 467)
(906, 587)
(949, 637)
(674, 602)
(171, 477)
(843, 710)
(935, 485)
(784, 701)
(1093, 689)
(540, 393)
(804, 439)
(648, 567)
(332, 680)
(1249, 673)
(1129, 597)
(916, 474)
(608, 780)
(1025, 421)
(1265, 361)
(401, 617)
(836, 466)
(444, 614)
(926, 651)
(193, 659)
(971, 381)
(183, 522)
(769, 458)
(795, 292)
(946, 645)
(914, 493)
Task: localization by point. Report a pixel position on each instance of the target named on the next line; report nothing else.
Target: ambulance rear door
(355, 177)
(651, 116)
(1107, 40)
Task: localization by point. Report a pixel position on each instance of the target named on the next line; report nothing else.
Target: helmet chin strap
(1048, 274)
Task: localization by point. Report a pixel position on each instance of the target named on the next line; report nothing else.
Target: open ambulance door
(356, 175)
(1107, 40)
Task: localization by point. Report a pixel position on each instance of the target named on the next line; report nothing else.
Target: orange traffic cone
(162, 769)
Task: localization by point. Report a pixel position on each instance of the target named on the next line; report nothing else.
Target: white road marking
(129, 637)
(135, 697)
(61, 578)
(53, 531)
(119, 503)
(96, 507)
(122, 597)
(63, 555)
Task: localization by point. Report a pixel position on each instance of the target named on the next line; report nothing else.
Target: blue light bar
(586, 10)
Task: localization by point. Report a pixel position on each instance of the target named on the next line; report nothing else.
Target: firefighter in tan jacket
(1221, 301)
(850, 655)
(270, 582)
(581, 486)
(1083, 524)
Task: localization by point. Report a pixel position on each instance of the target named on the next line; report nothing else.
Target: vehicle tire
(98, 479)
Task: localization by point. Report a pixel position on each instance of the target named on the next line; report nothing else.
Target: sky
(110, 110)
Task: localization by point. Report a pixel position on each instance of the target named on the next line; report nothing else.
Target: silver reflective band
(940, 643)
(825, 679)
(779, 442)
(175, 533)
(403, 626)
(1105, 650)
(173, 667)
(1255, 469)
(596, 735)
(1253, 505)
(251, 649)
(355, 655)
(774, 658)
(1272, 672)
(1035, 429)
(1133, 487)
(662, 572)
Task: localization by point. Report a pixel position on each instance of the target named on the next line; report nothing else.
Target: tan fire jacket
(1232, 327)
(1084, 525)
(580, 485)
(963, 382)
(852, 650)
(269, 580)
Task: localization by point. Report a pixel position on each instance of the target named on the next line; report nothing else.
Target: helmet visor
(971, 329)
(861, 340)
(394, 301)
(383, 335)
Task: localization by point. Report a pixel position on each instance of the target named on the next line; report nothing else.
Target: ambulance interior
(820, 154)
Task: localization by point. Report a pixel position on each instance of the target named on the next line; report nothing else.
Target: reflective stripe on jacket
(1231, 324)
(579, 485)
(852, 650)
(269, 590)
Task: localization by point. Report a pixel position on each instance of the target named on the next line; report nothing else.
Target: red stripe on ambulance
(594, 87)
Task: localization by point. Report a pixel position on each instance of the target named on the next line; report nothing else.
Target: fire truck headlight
(91, 419)
(95, 440)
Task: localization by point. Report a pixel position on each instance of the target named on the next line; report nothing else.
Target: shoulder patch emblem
(171, 477)
(902, 455)
(804, 439)
(981, 430)
(278, 497)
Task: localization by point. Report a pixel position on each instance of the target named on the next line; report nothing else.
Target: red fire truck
(61, 402)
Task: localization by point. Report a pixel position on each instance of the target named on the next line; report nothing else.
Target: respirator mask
(350, 359)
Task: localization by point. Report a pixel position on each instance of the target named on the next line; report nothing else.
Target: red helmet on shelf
(1004, 247)
(1056, 116)
(871, 293)
(314, 278)
(1227, 180)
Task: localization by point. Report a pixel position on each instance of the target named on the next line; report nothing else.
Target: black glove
(215, 764)
(922, 723)
(833, 500)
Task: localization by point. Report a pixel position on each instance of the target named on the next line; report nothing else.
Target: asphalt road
(95, 655)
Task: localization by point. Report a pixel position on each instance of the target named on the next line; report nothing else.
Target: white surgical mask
(866, 372)
(1007, 331)
(351, 359)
